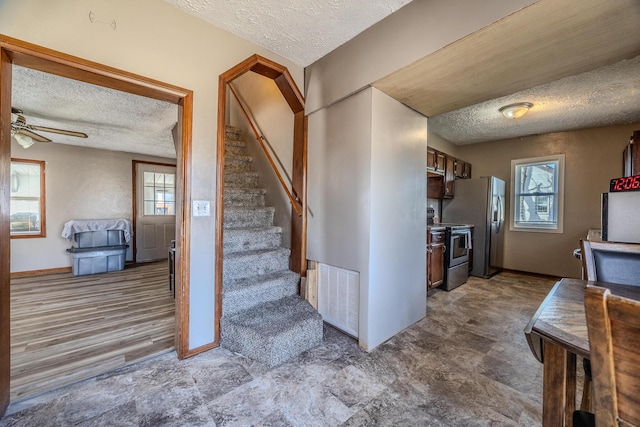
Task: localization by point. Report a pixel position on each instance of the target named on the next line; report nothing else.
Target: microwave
(621, 217)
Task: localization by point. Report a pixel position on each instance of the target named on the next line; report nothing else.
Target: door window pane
(159, 193)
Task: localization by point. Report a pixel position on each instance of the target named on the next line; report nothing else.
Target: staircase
(263, 317)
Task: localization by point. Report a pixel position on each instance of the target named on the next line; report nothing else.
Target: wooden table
(557, 333)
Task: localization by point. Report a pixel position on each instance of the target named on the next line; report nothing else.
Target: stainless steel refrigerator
(480, 202)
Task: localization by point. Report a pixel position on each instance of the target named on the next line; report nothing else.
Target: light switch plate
(201, 208)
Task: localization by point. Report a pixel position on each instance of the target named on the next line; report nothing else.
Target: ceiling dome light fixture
(515, 111)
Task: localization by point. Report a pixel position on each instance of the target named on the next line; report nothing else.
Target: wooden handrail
(294, 200)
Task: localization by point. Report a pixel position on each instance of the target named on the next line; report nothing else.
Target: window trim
(559, 226)
(43, 198)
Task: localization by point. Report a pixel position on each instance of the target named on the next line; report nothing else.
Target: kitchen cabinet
(631, 156)
(449, 177)
(463, 169)
(442, 172)
(435, 256)
(435, 186)
(435, 161)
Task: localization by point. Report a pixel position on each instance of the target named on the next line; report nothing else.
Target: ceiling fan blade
(60, 131)
(33, 135)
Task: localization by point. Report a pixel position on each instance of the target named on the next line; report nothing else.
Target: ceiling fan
(25, 135)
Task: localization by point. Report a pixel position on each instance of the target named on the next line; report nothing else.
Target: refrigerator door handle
(499, 225)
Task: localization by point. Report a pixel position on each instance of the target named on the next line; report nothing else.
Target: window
(27, 207)
(159, 193)
(537, 194)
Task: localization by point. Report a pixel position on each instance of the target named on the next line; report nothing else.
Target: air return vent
(339, 297)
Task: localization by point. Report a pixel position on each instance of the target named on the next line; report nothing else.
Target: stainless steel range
(458, 247)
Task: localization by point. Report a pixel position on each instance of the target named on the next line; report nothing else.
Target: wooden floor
(65, 328)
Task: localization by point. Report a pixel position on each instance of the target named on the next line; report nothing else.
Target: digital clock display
(626, 183)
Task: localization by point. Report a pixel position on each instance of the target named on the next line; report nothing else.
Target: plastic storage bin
(93, 239)
(97, 260)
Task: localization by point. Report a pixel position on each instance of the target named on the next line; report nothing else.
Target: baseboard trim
(30, 273)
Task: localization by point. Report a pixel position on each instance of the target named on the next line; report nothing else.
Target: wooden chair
(614, 338)
(607, 262)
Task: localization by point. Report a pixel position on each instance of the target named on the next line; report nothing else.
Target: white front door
(155, 211)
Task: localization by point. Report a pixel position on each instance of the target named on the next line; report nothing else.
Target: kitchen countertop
(448, 224)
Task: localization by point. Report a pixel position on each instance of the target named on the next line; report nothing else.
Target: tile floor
(466, 364)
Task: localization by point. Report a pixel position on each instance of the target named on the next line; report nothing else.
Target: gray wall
(367, 187)
(593, 157)
(156, 40)
(80, 183)
(412, 32)
(275, 121)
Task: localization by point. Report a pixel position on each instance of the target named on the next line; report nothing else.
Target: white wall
(275, 122)
(411, 33)
(339, 184)
(156, 40)
(367, 186)
(397, 263)
(80, 183)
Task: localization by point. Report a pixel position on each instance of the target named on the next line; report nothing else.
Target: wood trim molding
(183, 232)
(13, 51)
(281, 76)
(5, 248)
(50, 61)
(32, 273)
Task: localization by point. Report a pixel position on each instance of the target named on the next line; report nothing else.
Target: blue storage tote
(93, 239)
(97, 260)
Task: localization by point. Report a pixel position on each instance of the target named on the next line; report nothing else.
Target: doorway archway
(13, 51)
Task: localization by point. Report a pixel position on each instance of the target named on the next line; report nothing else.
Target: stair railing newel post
(261, 314)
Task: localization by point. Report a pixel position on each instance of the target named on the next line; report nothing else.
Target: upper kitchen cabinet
(442, 172)
(463, 170)
(449, 177)
(631, 156)
(435, 161)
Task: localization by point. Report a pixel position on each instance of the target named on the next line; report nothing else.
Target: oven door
(459, 246)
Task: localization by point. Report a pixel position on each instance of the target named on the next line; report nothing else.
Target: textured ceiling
(546, 54)
(586, 43)
(301, 31)
(113, 120)
(604, 97)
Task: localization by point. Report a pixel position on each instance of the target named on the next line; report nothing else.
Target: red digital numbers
(627, 183)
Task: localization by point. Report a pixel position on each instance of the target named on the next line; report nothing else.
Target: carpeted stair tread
(244, 196)
(237, 163)
(237, 190)
(250, 217)
(246, 264)
(248, 239)
(263, 317)
(273, 332)
(237, 284)
(241, 179)
(243, 294)
(232, 134)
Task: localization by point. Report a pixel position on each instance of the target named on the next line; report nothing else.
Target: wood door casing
(14, 51)
(5, 265)
(294, 98)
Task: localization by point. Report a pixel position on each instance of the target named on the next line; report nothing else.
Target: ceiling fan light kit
(24, 140)
(25, 135)
(515, 111)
